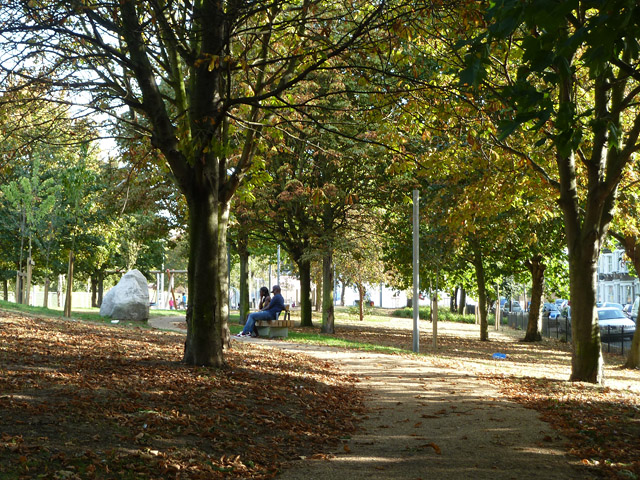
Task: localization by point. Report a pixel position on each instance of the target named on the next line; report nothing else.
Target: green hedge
(444, 315)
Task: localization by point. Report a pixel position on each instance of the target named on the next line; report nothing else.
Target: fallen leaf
(434, 446)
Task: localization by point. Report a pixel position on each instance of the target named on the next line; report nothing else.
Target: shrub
(444, 315)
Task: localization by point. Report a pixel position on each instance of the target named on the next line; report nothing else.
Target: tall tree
(626, 231)
(204, 76)
(573, 81)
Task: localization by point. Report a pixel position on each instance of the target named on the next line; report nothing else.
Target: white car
(614, 324)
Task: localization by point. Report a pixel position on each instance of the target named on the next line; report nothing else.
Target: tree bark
(304, 267)
(45, 300)
(482, 295)
(94, 291)
(67, 302)
(587, 362)
(361, 292)
(453, 307)
(633, 358)
(328, 317)
(585, 234)
(463, 301)
(5, 289)
(243, 253)
(319, 292)
(632, 249)
(344, 290)
(208, 309)
(100, 288)
(534, 326)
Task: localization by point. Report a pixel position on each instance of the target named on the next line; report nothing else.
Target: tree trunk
(463, 301)
(632, 248)
(100, 288)
(361, 292)
(243, 253)
(585, 233)
(94, 291)
(534, 327)
(344, 290)
(45, 300)
(586, 225)
(5, 289)
(586, 362)
(328, 318)
(67, 301)
(27, 290)
(317, 296)
(452, 300)
(208, 309)
(482, 296)
(304, 267)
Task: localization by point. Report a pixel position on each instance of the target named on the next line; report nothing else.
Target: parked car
(551, 311)
(614, 324)
(612, 321)
(514, 305)
(493, 306)
(560, 302)
(612, 305)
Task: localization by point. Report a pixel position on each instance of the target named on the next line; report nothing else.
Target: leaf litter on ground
(602, 424)
(80, 400)
(84, 400)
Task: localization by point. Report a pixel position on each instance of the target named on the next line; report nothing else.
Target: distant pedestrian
(171, 304)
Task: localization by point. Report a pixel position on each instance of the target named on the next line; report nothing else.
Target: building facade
(615, 283)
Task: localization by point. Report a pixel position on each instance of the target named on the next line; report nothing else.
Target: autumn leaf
(435, 447)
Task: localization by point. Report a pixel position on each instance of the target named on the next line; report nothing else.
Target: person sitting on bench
(276, 305)
(265, 299)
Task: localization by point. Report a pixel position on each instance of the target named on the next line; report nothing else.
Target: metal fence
(613, 340)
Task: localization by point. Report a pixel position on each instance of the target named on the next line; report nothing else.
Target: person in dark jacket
(276, 305)
(265, 299)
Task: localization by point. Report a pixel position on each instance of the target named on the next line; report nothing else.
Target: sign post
(416, 275)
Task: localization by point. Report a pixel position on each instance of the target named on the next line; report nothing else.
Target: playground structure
(161, 299)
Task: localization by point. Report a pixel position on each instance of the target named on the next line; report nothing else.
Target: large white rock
(129, 299)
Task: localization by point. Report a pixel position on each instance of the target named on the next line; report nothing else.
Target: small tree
(359, 260)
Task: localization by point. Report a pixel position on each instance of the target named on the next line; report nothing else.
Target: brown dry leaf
(115, 391)
(434, 446)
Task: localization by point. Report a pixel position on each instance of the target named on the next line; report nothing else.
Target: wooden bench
(277, 327)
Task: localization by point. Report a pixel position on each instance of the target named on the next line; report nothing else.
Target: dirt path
(429, 422)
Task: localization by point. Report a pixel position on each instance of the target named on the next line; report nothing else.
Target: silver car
(614, 325)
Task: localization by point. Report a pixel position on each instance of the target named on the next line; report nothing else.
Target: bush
(407, 312)
(354, 310)
(444, 315)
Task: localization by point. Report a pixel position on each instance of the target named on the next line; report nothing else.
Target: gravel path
(428, 422)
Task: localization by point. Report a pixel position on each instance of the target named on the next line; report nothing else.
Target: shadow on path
(428, 422)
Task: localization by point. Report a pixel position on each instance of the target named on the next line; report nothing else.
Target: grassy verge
(86, 314)
(334, 341)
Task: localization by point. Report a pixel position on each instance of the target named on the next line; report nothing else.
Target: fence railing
(613, 339)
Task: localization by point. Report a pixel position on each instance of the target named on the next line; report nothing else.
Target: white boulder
(129, 299)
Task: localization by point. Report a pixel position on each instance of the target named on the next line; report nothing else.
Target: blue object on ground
(499, 356)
